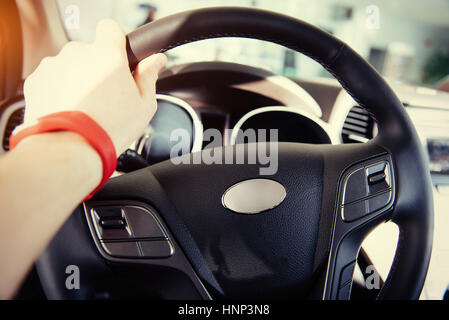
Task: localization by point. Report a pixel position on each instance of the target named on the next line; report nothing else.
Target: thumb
(146, 75)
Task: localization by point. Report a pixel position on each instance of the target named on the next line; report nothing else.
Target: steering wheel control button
(356, 186)
(379, 202)
(367, 189)
(110, 223)
(122, 249)
(376, 168)
(354, 211)
(378, 177)
(156, 249)
(109, 212)
(143, 223)
(357, 210)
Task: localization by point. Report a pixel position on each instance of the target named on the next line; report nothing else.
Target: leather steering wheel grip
(414, 205)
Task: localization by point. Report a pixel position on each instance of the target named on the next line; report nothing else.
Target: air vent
(14, 120)
(358, 127)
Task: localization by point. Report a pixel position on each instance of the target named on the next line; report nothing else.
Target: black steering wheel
(164, 230)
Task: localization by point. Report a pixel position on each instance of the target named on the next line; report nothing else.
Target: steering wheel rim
(337, 243)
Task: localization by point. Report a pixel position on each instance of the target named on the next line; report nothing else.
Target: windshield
(405, 40)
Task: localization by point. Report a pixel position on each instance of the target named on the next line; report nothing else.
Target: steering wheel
(164, 230)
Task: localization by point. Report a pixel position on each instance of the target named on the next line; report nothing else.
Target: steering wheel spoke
(364, 199)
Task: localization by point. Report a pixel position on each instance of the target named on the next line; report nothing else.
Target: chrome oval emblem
(253, 196)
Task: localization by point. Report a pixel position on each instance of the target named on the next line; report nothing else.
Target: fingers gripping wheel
(335, 194)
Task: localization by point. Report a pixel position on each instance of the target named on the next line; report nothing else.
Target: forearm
(41, 182)
(46, 176)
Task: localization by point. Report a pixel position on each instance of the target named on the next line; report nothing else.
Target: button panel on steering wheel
(366, 190)
(130, 231)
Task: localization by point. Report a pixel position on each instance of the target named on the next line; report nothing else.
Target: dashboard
(230, 99)
(172, 114)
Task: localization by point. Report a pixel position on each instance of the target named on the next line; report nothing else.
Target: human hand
(95, 79)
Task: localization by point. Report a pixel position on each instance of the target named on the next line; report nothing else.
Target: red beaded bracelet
(78, 122)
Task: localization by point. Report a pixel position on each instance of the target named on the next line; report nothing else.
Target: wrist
(69, 148)
(81, 124)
